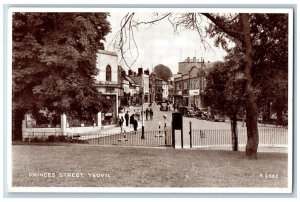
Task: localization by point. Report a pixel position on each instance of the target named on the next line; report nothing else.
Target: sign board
(177, 121)
(194, 92)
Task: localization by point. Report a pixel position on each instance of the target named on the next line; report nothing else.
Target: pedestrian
(131, 119)
(151, 113)
(147, 113)
(121, 120)
(126, 118)
(118, 121)
(135, 125)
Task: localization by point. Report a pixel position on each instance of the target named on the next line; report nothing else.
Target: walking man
(151, 113)
(126, 118)
(147, 113)
(135, 125)
(131, 119)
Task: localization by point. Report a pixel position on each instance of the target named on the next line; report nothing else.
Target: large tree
(54, 63)
(224, 94)
(163, 72)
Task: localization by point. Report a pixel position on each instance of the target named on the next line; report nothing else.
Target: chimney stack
(147, 72)
(140, 71)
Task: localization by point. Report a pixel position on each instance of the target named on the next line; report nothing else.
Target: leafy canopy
(54, 61)
(163, 72)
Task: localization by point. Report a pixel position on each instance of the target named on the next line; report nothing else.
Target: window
(185, 85)
(108, 73)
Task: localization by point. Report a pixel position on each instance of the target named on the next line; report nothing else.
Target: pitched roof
(128, 78)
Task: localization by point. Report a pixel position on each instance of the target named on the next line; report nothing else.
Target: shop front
(110, 114)
(194, 98)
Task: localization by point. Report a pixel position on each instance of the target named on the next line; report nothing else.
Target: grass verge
(143, 167)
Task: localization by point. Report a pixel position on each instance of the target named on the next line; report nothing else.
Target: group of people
(128, 120)
(132, 120)
(149, 113)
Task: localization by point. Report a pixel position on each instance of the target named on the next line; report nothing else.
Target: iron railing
(269, 137)
(152, 138)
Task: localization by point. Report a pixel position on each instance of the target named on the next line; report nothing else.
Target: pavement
(109, 131)
(117, 129)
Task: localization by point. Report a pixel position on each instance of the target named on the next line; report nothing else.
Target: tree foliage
(224, 94)
(54, 61)
(163, 72)
(270, 37)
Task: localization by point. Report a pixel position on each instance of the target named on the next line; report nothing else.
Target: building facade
(108, 84)
(190, 82)
(143, 80)
(158, 90)
(165, 91)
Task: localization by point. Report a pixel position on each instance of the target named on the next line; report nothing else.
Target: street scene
(151, 99)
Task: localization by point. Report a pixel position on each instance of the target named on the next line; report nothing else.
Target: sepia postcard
(149, 100)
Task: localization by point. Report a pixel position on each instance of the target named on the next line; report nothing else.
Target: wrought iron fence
(151, 138)
(269, 137)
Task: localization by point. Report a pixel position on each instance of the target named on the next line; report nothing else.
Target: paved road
(196, 123)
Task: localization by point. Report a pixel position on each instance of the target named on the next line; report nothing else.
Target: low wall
(41, 133)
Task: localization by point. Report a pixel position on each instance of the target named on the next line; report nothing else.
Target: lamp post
(165, 117)
(143, 129)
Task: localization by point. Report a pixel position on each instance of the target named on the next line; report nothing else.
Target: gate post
(190, 134)
(176, 125)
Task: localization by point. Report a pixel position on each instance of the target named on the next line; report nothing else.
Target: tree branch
(153, 21)
(223, 27)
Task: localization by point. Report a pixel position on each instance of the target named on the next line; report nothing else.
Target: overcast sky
(159, 44)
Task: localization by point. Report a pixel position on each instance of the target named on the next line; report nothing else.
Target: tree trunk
(17, 118)
(251, 106)
(234, 133)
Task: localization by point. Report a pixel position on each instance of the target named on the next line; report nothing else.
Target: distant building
(133, 90)
(165, 91)
(190, 82)
(171, 89)
(142, 80)
(158, 90)
(152, 86)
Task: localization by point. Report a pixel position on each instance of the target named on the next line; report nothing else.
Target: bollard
(159, 132)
